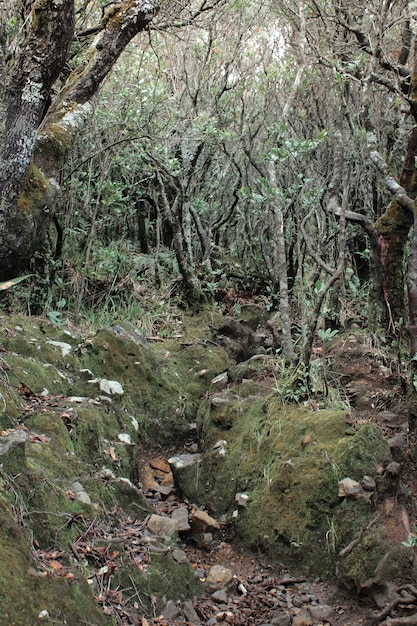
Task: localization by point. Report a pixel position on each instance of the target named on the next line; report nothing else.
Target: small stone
(163, 527)
(65, 347)
(219, 577)
(220, 381)
(179, 556)
(170, 611)
(200, 573)
(321, 612)
(86, 374)
(302, 620)
(348, 487)
(193, 448)
(180, 516)
(83, 497)
(281, 620)
(297, 602)
(202, 519)
(220, 596)
(110, 387)
(368, 483)
(219, 401)
(184, 460)
(190, 613)
(393, 469)
(391, 419)
(242, 499)
(125, 438)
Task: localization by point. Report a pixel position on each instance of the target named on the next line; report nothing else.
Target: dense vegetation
(234, 151)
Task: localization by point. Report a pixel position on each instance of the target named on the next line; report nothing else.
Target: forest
(239, 177)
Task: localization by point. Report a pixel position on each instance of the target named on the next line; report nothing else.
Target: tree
(40, 127)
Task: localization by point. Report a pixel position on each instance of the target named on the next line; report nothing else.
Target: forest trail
(262, 594)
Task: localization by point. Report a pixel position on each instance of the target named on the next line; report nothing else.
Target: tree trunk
(32, 154)
(24, 208)
(392, 231)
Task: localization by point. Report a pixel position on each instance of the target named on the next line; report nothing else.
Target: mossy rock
(289, 461)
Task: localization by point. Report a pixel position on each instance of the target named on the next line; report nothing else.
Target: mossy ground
(162, 386)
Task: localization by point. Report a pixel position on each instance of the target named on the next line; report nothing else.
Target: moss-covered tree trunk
(392, 231)
(33, 151)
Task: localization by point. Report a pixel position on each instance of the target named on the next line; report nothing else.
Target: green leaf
(13, 281)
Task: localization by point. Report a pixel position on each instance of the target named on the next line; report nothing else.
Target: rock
(110, 387)
(80, 493)
(125, 438)
(200, 573)
(219, 577)
(398, 446)
(242, 499)
(86, 374)
(393, 469)
(83, 497)
(163, 527)
(201, 520)
(281, 620)
(129, 332)
(368, 483)
(180, 516)
(185, 469)
(297, 602)
(220, 596)
(218, 401)
(179, 556)
(190, 613)
(302, 620)
(392, 420)
(183, 460)
(321, 613)
(65, 347)
(170, 611)
(348, 487)
(220, 381)
(220, 447)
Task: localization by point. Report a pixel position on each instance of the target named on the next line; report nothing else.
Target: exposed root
(407, 598)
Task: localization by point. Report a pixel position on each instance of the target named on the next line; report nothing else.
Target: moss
(25, 591)
(53, 145)
(289, 460)
(165, 579)
(31, 195)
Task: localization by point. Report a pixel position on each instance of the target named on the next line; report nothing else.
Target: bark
(41, 60)
(393, 227)
(33, 152)
(192, 289)
(280, 269)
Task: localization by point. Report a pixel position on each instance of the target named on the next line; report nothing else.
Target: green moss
(165, 579)
(289, 460)
(25, 591)
(31, 195)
